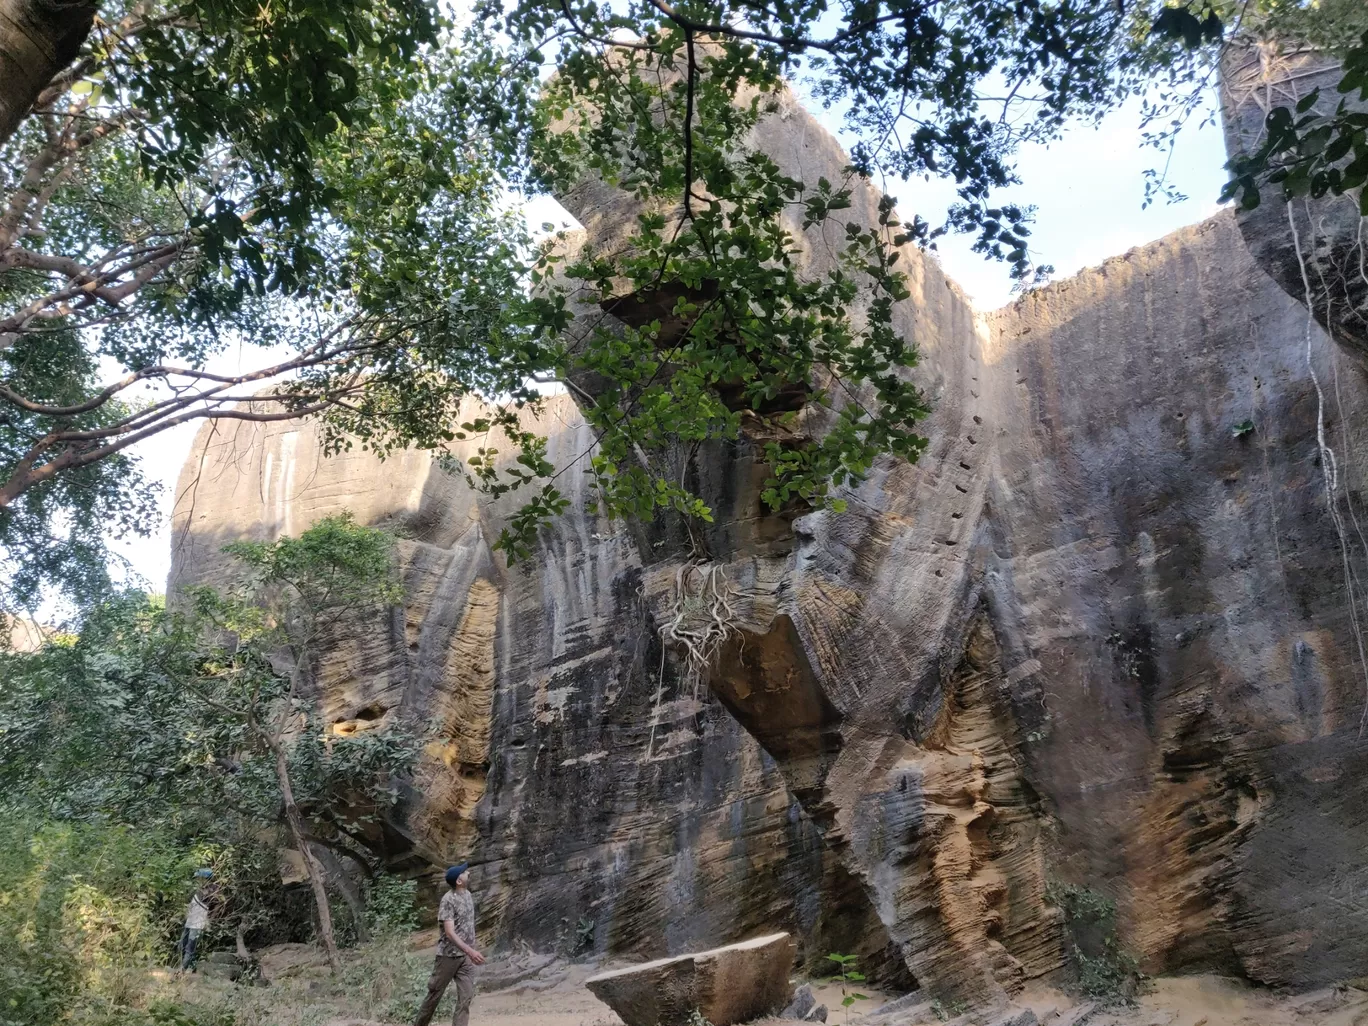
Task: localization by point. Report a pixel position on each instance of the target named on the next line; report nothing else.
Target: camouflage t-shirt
(459, 908)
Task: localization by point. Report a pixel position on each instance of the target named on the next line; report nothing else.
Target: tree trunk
(38, 38)
(351, 894)
(311, 866)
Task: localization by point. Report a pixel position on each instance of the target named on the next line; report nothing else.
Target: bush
(246, 867)
(79, 905)
(1105, 971)
(390, 904)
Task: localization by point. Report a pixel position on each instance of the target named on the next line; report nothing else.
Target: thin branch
(797, 43)
(691, 71)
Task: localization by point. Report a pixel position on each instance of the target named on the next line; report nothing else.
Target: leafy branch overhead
(217, 199)
(216, 210)
(1309, 151)
(714, 332)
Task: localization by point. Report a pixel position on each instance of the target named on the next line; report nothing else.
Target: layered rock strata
(606, 807)
(1106, 631)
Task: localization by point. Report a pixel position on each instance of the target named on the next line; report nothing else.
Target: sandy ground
(1177, 1001)
(1216, 1001)
(533, 990)
(567, 1003)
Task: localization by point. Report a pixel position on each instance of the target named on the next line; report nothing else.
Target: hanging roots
(701, 618)
(1330, 467)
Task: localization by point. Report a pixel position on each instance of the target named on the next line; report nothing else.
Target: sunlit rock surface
(1101, 633)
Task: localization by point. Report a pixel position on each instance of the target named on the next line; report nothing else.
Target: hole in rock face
(363, 719)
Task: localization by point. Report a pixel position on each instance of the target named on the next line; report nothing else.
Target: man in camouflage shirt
(456, 954)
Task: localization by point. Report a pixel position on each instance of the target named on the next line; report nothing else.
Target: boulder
(220, 970)
(726, 985)
(803, 1002)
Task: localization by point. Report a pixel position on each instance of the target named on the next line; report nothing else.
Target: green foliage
(846, 974)
(55, 533)
(299, 588)
(740, 340)
(79, 905)
(211, 177)
(908, 83)
(159, 716)
(249, 894)
(330, 181)
(1105, 970)
(390, 904)
(1307, 151)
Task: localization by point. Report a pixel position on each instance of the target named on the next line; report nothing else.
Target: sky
(1088, 188)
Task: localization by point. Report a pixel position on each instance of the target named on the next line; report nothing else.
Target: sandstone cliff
(1100, 633)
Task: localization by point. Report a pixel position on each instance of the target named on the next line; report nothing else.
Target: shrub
(1105, 970)
(79, 905)
(390, 904)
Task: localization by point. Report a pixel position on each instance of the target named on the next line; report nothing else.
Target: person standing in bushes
(456, 954)
(196, 919)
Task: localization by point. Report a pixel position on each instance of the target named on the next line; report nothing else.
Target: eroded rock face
(606, 806)
(1101, 632)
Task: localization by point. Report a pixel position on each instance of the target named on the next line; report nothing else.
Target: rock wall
(1102, 632)
(605, 807)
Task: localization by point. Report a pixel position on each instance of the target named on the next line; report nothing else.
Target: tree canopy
(294, 180)
(326, 185)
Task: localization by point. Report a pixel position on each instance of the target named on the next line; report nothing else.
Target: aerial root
(702, 617)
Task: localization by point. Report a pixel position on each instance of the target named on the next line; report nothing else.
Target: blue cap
(454, 873)
(206, 873)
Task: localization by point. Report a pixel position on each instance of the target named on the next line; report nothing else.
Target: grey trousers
(188, 939)
(446, 969)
